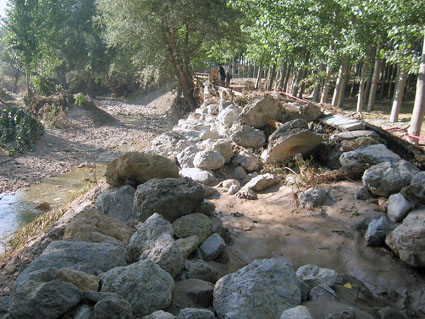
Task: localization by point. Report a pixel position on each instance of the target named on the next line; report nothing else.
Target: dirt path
(89, 138)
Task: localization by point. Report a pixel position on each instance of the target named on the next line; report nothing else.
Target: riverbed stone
(372, 154)
(169, 144)
(314, 275)
(262, 289)
(415, 191)
(208, 160)
(160, 314)
(202, 176)
(212, 247)
(117, 203)
(170, 197)
(135, 168)
(222, 146)
(228, 115)
(320, 291)
(408, 239)
(43, 300)
(298, 312)
(194, 224)
(199, 269)
(207, 134)
(112, 308)
(314, 197)
(377, 231)
(254, 113)
(195, 313)
(84, 312)
(248, 160)
(144, 284)
(398, 207)
(90, 225)
(291, 138)
(185, 158)
(193, 293)
(388, 178)
(187, 245)
(262, 182)
(79, 279)
(247, 136)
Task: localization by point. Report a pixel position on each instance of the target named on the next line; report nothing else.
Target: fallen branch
(354, 172)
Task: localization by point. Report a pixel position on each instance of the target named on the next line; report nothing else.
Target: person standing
(229, 74)
(222, 73)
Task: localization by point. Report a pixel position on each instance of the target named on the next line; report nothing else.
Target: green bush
(18, 128)
(80, 99)
(43, 84)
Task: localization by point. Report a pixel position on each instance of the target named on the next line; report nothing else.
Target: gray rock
(408, 239)
(416, 190)
(388, 178)
(224, 147)
(84, 312)
(253, 114)
(171, 198)
(164, 252)
(363, 193)
(212, 247)
(248, 137)
(96, 296)
(206, 207)
(262, 289)
(291, 138)
(207, 134)
(228, 116)
(298, 312)
(320, 291)
(112, 308)
(344, 123)
(117, 203)
(135, 168)
(193, 293)
(144, 284)
(151, 229)
(314, 275)
(187, 245)
(193, 313)
(165, 144)
(388, 313)
(247, 159)
(160, 315)
(202, 176)
(43, 300)
(88, 257)
(348, 313)
(4, 306)
(372, 154)
(262, 182)
(314, 197)
(239, 173)
(208, 160)
(194, 224)
(199, 269)
(186, 157)
(305, 289)
(377, 231)
(296, 110)
(398, 207)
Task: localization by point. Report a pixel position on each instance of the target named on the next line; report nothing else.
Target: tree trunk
(258, 81)
(398, 97)
(272, 76)
(339, 83)
(315, 96)
(361, 95)
(343, 86)
(15, 83)
(296, 82)
(282, 75)
(375, 78)
(325, 91)
(27, 82)
(419, 107)
(288, 74)
(391, 87)
(384, 74)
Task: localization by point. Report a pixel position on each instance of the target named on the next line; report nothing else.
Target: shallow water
(18, 209)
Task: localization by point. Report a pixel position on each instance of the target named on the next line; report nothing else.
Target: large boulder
(388, 178)
(117, 203)
(194, 224)
(415, 191)
(377, 230)
(296, 110)
(208, 160)
(170, 197)
(135, 168)
(144, 284)
(199, 269)
(254, 113)
(79, 279)
(228, 116)
(408, 239)
(372, 154)
(291, 138)
(91, 225)
(43, 300)
(247, 136)
(263, 289)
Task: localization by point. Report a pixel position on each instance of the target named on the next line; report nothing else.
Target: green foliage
(80, 99)
(43, 84)
(18, 128)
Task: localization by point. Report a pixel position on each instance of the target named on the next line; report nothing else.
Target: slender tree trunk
(391, 87)
(288, 74)
(384, 74)
(361, 95)
(398, 97)
(282, 74)
(315, 96)
(272, 76)
(15, 83)
(258, 81)
(374, 86)
(296, 82)
(419, 107)
(325, 91)
(27, 82)
(339, 83)
(343, 86)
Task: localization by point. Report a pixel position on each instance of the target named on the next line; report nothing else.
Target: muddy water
(274, 226)
(18, 209)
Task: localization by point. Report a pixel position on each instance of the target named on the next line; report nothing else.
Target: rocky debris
(291, 138)
(199, 269)
(247, 159)
(314, 276)
(212, 247)
(43, 300)
(247, 136)
(254, 113)
(372, 154)
(377, 231)
(232, 186)
(194, 313)
(246, 193)
(228, 116)
(344, 123)
(349, 141)
(160, 314)
(144, 284)
(164, 252)
(193, 293)
(320, 291)
(169, 144)
(79, 279)
(388, 178)
(363, 193)
(208, 160)
(262, 289)
(93, 226)
(206, 208)
(207, 134)
(398, 207)
(170, 197)
(202, 176)
(185, 157)
(222, 146)
(187, 245)
(408, 239)
(112, 308)
(298, 312)
(348, 313)
(84, 312)
(194, 224)
(117, 203)
(416, 190)
(135, 168)
(296, 110)
(314, 197)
